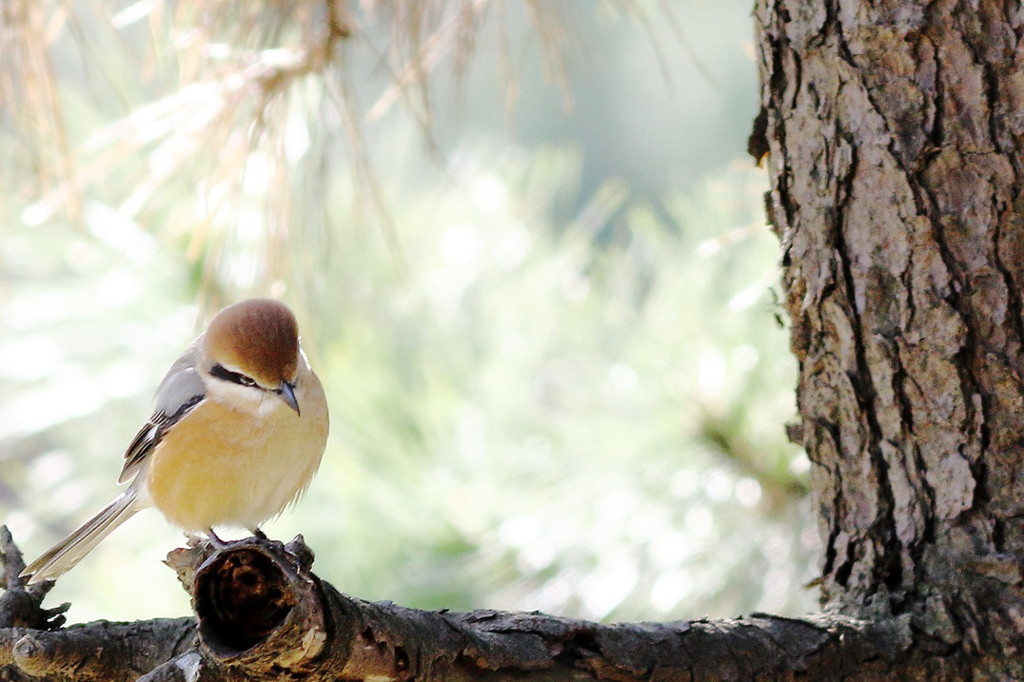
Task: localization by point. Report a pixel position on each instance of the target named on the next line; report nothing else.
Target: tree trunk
(893, 132)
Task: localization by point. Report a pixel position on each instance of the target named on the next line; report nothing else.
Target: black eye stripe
(224, 374)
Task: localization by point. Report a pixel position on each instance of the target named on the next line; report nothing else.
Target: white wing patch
(180, 391)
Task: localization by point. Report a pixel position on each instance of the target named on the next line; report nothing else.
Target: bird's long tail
(63, 556)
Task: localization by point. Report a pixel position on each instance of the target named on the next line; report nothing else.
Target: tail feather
(63, 556)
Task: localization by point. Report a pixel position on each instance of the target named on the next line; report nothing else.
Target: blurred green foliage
(555, 373)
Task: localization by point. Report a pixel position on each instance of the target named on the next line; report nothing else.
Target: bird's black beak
(287, 393)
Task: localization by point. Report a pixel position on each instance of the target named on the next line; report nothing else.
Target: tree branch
(32, 646)
(262, 614)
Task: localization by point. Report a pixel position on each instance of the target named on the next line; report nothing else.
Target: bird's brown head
(258, 337)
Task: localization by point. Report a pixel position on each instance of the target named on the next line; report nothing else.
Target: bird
(238, 429)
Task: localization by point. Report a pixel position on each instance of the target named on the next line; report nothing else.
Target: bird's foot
(258, 534)
(215, 539)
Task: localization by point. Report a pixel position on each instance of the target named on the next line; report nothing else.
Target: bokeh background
(528, 254)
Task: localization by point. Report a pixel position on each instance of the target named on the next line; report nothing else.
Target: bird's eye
(225, 374)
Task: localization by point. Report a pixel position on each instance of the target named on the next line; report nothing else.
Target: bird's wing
(180, 391)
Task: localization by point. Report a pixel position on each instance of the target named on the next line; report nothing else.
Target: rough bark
(262, 615)
(32, 645)
(893, 136)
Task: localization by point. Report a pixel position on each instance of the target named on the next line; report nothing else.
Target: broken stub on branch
(256, 601)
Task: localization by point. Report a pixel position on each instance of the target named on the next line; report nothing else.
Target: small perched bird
(238, 430)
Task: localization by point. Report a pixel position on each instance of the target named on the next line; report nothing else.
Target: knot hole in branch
(241, 597)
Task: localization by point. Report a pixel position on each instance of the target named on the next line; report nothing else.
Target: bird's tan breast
(221, 466)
